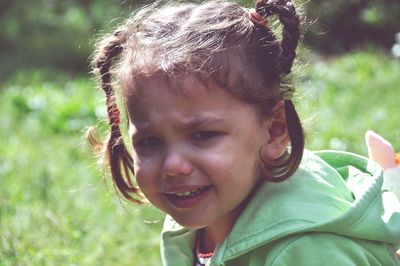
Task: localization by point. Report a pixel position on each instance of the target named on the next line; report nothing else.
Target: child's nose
(176, 165)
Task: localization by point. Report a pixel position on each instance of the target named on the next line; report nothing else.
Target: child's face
(196, 155)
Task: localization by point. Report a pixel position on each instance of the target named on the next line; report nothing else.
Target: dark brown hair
(215, 42)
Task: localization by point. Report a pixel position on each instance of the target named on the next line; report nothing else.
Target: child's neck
(213, 235)
(216, 233)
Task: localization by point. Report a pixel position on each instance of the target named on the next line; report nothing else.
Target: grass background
(56, 209)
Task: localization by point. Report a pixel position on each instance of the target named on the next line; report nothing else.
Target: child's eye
(147, 142)
(204, 135)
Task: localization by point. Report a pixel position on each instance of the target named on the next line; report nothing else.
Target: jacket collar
(296, 205)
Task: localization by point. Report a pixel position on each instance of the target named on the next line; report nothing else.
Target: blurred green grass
(55, 208)
(345, 96)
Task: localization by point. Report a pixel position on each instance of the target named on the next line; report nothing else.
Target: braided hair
(288, 17)
(119, 159)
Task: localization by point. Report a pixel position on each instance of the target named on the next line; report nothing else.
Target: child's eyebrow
(187, 123)
(200, 121)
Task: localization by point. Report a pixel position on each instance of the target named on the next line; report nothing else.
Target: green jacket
(330, 212)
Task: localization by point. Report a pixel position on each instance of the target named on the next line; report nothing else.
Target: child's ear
(277, 133)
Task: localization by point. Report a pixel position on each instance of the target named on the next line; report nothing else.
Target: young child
(219, 147)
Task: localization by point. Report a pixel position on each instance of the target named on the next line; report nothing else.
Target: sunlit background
(55, 207)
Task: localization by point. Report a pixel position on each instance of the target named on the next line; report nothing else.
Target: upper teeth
(188, 193)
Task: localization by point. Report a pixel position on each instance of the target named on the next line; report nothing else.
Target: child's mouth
(187, 199)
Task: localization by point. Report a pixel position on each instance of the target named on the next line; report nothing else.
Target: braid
(284, 167)
(103, 63)
(291, 30)
(120, 161)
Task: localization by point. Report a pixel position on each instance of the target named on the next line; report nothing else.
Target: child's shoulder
(344, 160)
(325, 248)
(332, 192)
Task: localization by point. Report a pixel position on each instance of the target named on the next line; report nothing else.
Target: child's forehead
(187, 85)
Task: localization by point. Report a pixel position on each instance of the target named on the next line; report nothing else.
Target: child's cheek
(146, 172)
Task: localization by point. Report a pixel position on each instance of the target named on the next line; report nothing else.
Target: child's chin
(191, 225)
(195, 225)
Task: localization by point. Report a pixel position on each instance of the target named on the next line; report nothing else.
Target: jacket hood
(334, 192)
